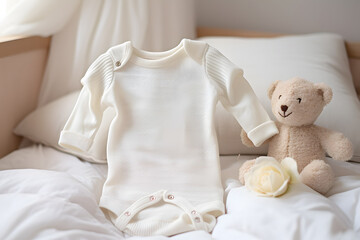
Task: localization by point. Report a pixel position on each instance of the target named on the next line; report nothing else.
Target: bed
(48, 192)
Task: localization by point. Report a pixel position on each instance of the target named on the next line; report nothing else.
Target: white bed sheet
(47, 194)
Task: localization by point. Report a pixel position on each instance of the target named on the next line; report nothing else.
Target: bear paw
(245, 139)
(244, 169)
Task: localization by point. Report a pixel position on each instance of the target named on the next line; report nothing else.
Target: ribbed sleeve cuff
(74, 141)
(262, 132)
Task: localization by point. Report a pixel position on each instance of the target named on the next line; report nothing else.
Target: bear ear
(325, 91)
(272, 88)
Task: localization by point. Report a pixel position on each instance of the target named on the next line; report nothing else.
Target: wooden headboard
(22, 65)
(352, 48)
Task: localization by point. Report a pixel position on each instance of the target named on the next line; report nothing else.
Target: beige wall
(283, 16)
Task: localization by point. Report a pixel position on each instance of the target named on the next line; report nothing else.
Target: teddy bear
(296, 104)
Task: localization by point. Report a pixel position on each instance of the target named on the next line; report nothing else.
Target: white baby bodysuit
(162, 151)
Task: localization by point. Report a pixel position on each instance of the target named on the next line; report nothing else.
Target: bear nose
(284, 108)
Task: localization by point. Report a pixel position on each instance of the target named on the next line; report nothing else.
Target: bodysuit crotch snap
(157, 198)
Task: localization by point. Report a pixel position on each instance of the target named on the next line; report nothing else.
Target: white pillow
(45, 124)
(315, 57)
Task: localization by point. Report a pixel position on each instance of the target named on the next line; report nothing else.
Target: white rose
(269, 178)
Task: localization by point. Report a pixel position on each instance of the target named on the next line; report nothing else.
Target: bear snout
(284, 108)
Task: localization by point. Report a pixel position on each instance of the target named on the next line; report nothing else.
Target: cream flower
(269, 178)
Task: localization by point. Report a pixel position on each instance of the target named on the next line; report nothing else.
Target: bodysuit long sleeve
(162, 153)
(84, 122)
(237, 97)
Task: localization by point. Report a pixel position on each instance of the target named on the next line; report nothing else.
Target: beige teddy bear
(296, 104)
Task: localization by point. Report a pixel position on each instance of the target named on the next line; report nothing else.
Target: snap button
(193, 212)
(171, 197)
(127, 214)
(118, 63)
(152, 198)
(197, 219)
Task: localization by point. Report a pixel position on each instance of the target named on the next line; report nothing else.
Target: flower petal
(290, 165)
(282, 189)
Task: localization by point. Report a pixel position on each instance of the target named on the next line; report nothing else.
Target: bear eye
(299, 99)
(279, 96)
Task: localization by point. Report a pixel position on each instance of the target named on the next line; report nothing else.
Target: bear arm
(247, 142)
(245, 139)
(335, 144)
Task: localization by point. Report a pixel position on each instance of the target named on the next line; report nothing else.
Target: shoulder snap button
(118, 63)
